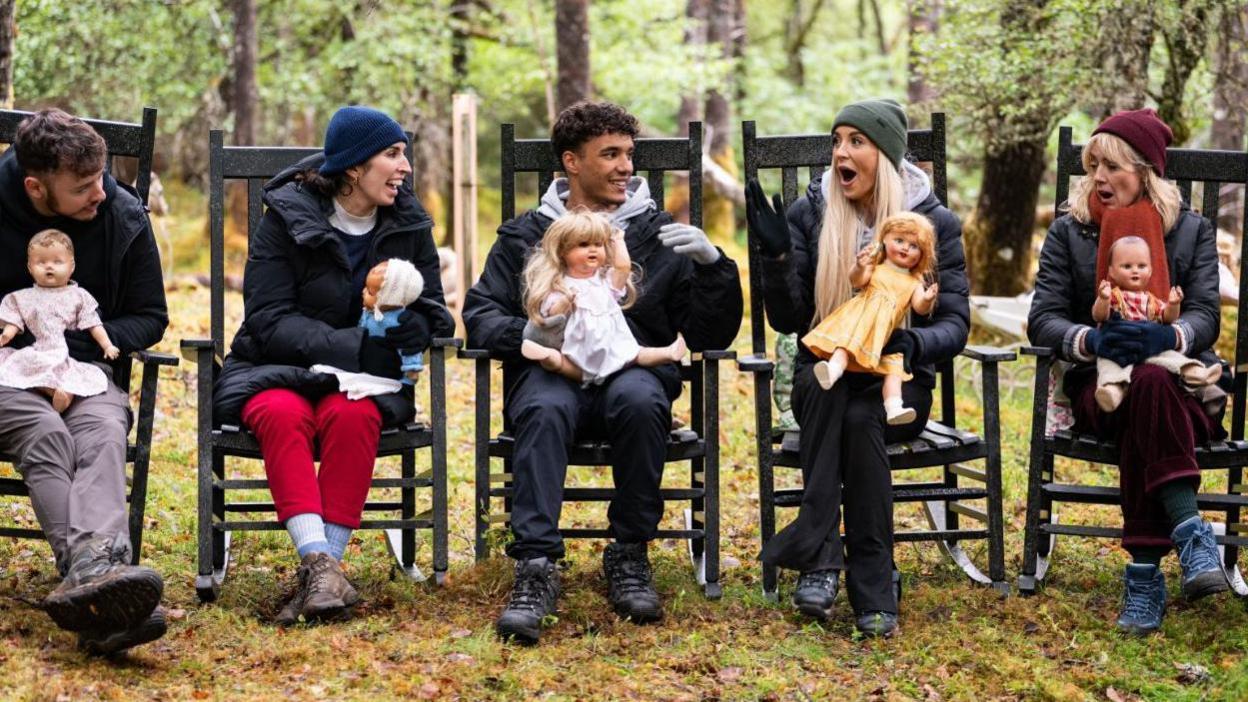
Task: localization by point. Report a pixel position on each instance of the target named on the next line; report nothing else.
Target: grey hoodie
(637, 201)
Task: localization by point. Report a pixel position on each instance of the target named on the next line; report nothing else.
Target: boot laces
(1198, 553)
(319, 571)
(1141, 599)
(822, 579)
(530, 590)
(630, 574)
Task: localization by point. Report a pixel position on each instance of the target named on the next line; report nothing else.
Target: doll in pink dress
(582, 269)
(51, 306)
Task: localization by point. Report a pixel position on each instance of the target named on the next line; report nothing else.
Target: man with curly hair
(688, 286)
(74, 464)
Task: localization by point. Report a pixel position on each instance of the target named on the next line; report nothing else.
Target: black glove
(411, 335)
(904, 342)
(82, 347)
(379, 359)
(767, 223)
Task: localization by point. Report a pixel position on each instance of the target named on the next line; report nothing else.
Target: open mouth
(1106, 195)
(847, 174)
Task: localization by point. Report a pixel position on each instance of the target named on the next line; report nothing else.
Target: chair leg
(212, 542)
(437, 458)
(713, 588)
(407, 536)
(481, 456)
(996, 519)
(766, 475)
(1029, 576)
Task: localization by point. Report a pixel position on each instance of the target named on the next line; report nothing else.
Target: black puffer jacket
(1066, 283)
(132, 298)
(789, 284)
(703, 303)
(297, 294)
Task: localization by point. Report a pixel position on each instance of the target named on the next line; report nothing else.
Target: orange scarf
(1138, 219)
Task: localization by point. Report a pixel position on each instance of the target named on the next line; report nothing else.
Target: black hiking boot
(108, 643)
(533, 597)
(101, 591)
(816, 592)
(630, 584)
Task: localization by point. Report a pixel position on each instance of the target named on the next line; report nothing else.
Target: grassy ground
(410, 640)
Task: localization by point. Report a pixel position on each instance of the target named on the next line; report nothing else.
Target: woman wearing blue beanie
(807, 256)
(328, 220)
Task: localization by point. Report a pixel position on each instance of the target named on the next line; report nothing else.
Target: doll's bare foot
(827, 373)
(549, 358)
(61, 400)
(1109, 396)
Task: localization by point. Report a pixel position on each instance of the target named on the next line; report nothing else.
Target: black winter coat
(703, 303)
(789, 284)
(297, 294)
(1066, 283)
(132, 300)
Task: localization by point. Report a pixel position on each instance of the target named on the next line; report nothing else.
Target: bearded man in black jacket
(74, 463)
(687, 286)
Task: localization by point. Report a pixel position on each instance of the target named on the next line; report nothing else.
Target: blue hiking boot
(1143, 599)
(1199, 558)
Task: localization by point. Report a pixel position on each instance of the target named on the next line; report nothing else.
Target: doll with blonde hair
(51, 306)
(890, 273)
(582, 269)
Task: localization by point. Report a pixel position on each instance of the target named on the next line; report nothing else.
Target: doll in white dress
(51, 306)
(582, 269)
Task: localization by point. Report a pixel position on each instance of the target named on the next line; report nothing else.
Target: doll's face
(902, 248)
(372, 284)
(50, 266)
(584, 259)
(1129, 267)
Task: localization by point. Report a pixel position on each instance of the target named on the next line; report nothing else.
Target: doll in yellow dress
(889, 275)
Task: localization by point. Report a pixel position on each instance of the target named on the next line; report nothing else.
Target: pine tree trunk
(998, 239)
(572, 40)
(8, 31)
(1230, 96)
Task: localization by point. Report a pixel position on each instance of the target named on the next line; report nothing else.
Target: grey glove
(689, 241)
(548, 332)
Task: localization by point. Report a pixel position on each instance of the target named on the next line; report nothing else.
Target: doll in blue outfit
(390, 287)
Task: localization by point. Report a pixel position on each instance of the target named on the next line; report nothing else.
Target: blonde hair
(1164, 194)
(544, 269)
(921, 229)
(841, 229)
(47, 238)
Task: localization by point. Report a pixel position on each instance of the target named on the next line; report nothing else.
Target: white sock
(338, 536)
(308, 532)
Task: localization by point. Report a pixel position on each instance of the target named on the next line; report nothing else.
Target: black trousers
(845, 465)
(546, 412)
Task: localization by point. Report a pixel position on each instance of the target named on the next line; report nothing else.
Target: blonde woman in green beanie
(807, 255)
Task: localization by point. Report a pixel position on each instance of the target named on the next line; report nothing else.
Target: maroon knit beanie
(1144, 131)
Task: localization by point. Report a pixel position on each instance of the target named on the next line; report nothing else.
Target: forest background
(1005, 73)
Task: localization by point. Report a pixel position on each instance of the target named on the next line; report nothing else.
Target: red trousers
(1157, 427)
(287, 425)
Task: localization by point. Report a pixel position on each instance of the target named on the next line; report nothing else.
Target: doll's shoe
(1109, 397)
(826, 374)
(1197, 375)
(899, 414)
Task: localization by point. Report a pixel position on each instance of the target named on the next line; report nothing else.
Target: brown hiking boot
(101, 591)
(323, 592)
(110, 643)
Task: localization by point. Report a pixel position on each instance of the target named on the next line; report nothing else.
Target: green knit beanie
(884, 123)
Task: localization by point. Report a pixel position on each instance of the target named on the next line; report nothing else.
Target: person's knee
(51, 449)
(278, 409)
(336, 410)
(637, 397)
(864, 414)
(1147, 375)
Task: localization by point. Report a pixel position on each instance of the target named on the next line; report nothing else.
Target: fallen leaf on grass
(930, 694)
(460, 658)
(1114, 695)
(1190, 673)
(429, 691)
(175, 613)
(461, 633)
(1030, 627)
(730, 674)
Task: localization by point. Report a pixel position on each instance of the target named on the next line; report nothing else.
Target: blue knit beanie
(354, 134)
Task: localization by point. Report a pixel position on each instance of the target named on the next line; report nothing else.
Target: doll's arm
(10, 331)
(1100, 308)
(101, 337)
(864, 266)
(622, 265)
(1173, 305)
(924, 299)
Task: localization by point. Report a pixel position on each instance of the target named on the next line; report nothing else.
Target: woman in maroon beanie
(1159, 423)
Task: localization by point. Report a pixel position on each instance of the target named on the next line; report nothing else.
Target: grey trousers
(74, 464)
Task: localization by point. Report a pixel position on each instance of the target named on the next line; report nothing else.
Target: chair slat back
(254, 165)
(122, 138)
(1212, 169)
(792, 152)
(654, 157)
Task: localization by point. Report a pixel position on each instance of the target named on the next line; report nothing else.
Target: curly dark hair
(50, 140)
(582, 121)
